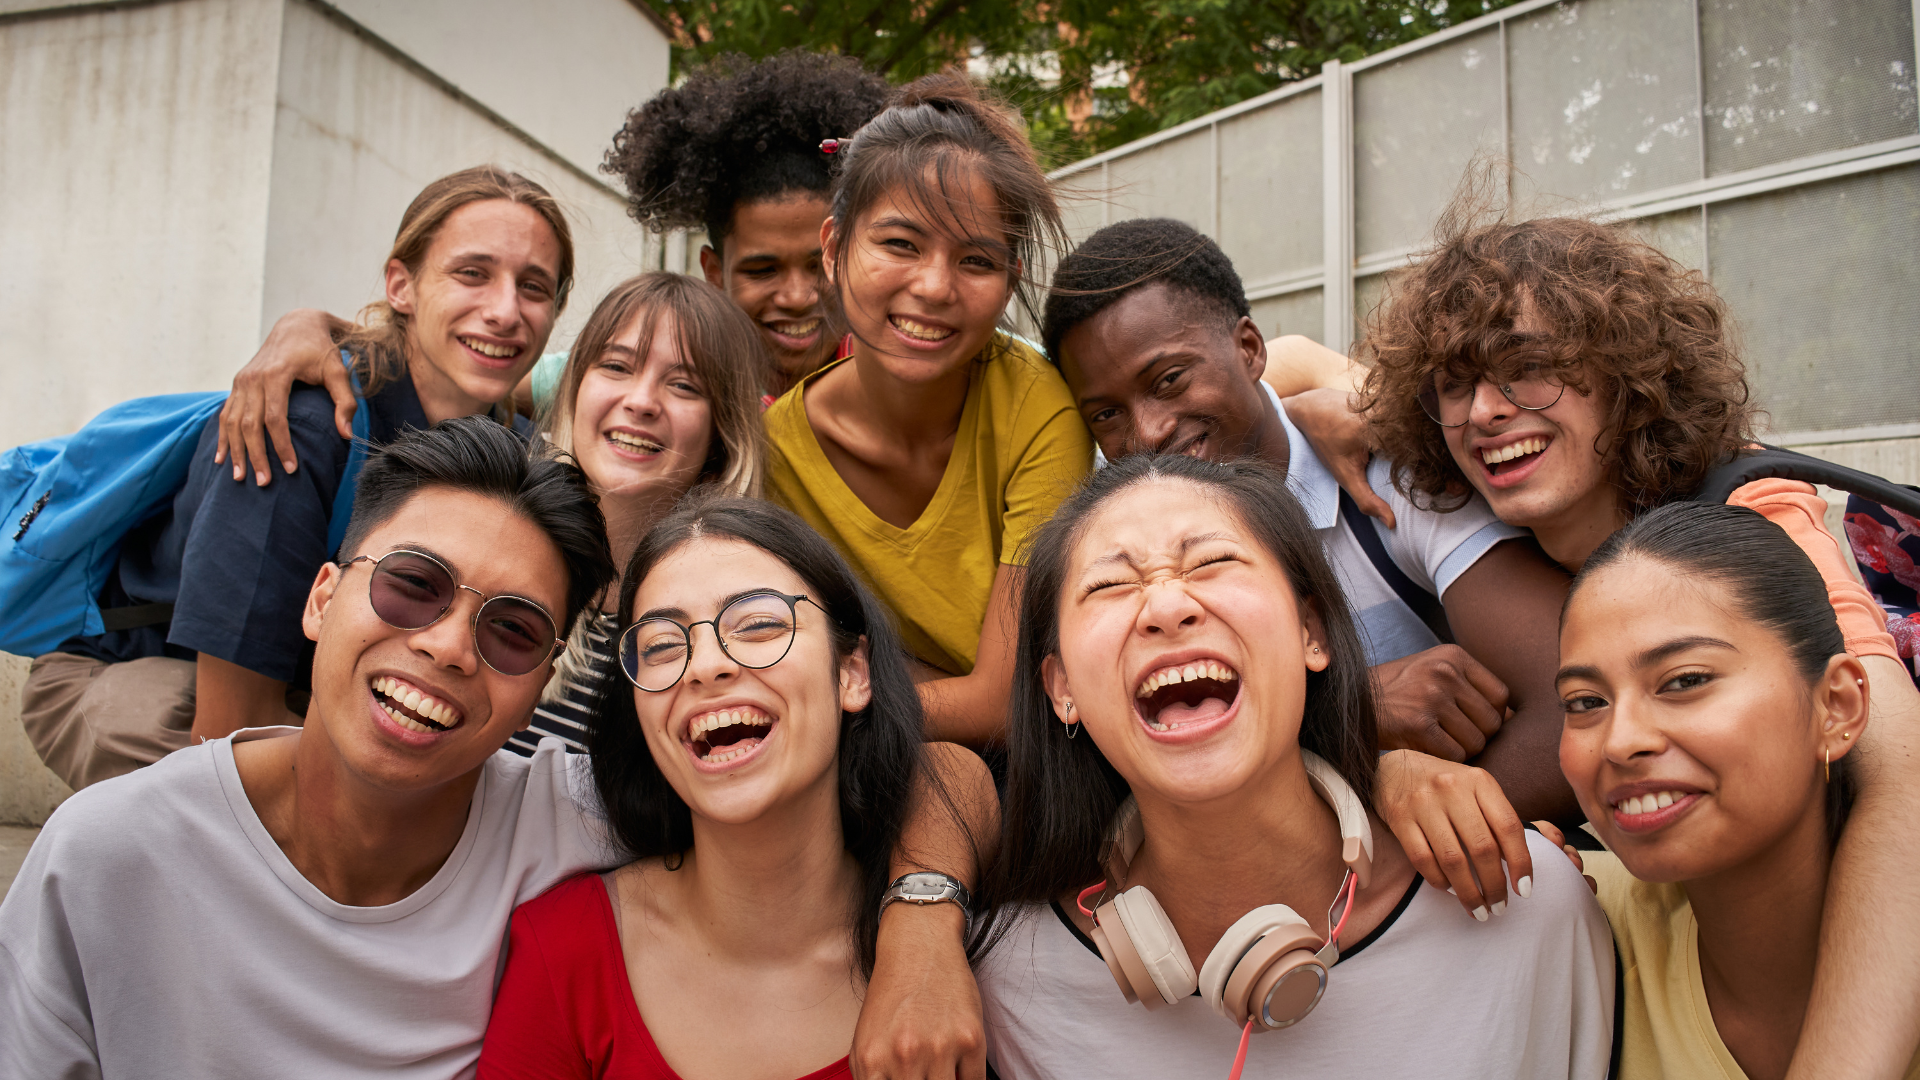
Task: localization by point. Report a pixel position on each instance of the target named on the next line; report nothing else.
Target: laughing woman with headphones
(1182, 818)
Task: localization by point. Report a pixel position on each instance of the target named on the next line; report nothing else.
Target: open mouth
(489, 349)
(728, 734)
(412, 709)
(637, 444)
(1183, 694)
(1513, 456)
(920, 331)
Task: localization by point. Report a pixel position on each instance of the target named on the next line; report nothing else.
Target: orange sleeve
(1797, 508)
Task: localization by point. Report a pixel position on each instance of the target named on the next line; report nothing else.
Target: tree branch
(941, 13)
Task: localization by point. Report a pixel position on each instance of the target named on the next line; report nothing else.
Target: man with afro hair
(1153, 333)
(744, 150)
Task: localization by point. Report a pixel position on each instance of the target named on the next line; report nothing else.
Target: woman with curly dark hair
(742, 149)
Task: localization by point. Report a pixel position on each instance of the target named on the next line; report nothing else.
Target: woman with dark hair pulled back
(1711, 711)
(936, 442)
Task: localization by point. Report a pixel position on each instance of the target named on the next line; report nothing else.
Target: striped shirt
(567, 709)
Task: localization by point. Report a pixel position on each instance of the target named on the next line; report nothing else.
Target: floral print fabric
(1886, 544)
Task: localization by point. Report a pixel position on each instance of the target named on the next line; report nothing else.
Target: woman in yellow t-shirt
(930, 450)
(1710, 705)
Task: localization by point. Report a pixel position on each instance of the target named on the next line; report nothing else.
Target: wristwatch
(928, 888)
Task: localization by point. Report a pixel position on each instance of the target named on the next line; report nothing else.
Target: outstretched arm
(922, 1015)
(300, 348)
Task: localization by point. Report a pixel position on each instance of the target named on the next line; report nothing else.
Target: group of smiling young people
(786, 553)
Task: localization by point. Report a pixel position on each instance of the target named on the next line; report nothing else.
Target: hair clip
(831, 146)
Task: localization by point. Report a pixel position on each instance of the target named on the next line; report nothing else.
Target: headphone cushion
(1277, 921)
(1153, 937)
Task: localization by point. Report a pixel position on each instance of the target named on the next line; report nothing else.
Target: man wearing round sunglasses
(332, 899)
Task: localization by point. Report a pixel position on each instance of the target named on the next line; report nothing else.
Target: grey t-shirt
(156, 929)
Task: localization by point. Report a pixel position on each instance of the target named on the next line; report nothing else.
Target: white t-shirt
(156, 930)
(1430, 548)
(1430, 993)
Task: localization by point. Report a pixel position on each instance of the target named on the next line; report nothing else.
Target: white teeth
(714, 721)
(411, 698)
(1200, 669)
(498, 352)
(797, 329)
(645, 446)
(920, 331)
(1508, 453)
(1648, 803)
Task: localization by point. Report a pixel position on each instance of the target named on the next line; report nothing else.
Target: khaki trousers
(91, 720)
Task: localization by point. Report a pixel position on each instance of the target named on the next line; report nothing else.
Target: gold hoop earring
(1826, 768)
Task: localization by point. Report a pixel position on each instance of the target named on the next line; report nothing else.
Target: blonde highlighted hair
(720, 345)
(378, 340)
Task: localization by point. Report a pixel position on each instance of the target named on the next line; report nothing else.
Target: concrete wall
(176, 174)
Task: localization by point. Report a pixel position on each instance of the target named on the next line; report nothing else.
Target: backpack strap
(1776, 462)
(357, 449)
(1424, 604)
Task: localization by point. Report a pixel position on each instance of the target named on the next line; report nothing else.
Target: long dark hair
(880, 749)
(1771, 581)
(935, 133)
(1062, 792)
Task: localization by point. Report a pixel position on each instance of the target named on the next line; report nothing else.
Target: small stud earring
(1846, 735)
(1316, 648)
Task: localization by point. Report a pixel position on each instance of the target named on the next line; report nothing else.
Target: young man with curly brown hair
(1573, 376)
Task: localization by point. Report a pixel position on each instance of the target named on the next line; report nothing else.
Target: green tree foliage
(1088, 74)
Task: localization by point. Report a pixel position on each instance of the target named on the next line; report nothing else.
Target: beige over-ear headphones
(1269, 967)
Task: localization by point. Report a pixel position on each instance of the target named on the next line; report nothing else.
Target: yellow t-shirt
(1668, 1029)
(1020, 450)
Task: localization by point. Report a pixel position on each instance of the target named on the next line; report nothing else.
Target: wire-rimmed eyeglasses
(755, 631)
(1449, 401)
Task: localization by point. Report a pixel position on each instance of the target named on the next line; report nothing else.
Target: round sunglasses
(755, 631)
(411, 590)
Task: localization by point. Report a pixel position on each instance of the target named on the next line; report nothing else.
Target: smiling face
(738, 742)
(479, 307)
(1539, 469)
(410, 709)
(770, 265)
(1182, 645)
(1160, 370)
(642, 422)
(1692, 742)
(923, 286)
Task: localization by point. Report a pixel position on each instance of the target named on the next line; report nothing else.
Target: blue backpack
(66, 503)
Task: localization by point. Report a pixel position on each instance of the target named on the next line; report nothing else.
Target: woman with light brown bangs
(660, 394)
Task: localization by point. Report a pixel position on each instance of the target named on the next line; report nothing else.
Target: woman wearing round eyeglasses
(754, 755)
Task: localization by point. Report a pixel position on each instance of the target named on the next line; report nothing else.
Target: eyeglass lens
(1448, 400)
(755, 631)
(410, 591)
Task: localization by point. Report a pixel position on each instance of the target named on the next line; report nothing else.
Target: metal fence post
(1336, 156)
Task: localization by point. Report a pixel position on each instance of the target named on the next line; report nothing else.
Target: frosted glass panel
(1368, 291)
(1682, 235)
(1292, 313)
(1604, 97)
(1822, 281)
(1787, 78)
(1416, 124)
(1270, 190)
(1170, 179)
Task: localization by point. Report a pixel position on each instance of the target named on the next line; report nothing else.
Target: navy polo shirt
(237, 560)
